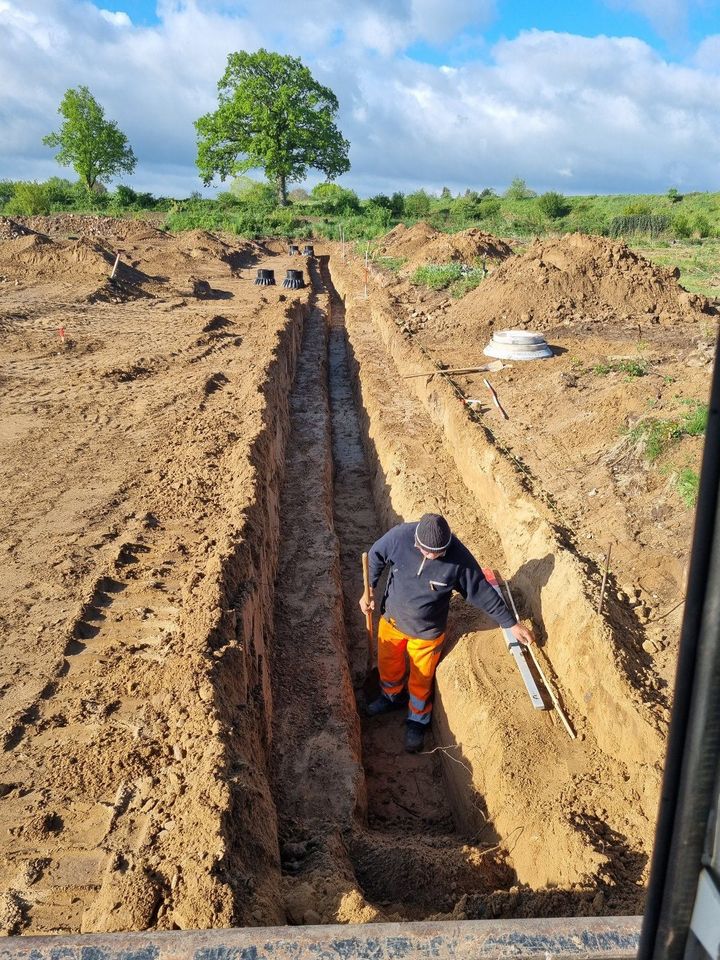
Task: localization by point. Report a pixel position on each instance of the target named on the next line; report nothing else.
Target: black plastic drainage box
(579, 938)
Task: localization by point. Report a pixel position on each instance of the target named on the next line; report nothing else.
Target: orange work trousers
(423, 656)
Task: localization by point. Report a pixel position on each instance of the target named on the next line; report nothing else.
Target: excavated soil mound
(11, 229)
(464, 247)
(40, 256)
(102, 228)
(577, 278)
(406, 242)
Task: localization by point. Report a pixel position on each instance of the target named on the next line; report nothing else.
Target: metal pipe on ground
(575, 938)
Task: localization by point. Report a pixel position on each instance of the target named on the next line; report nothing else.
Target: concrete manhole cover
(518, 345)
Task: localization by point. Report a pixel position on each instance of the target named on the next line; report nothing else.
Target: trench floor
(410, 860)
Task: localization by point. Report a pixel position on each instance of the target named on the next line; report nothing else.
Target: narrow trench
(410, 859)
(354, 810)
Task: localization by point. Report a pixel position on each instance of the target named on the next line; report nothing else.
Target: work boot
(414, 736)
(382, 705)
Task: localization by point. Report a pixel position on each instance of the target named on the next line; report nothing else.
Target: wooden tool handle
(367, 594)
(368, 589)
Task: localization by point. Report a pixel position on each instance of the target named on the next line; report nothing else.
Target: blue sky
(592, 96)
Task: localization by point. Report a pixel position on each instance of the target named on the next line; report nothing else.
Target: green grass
(699, 263)
(393, 264)
(633, 368)
(454, 277)
(687, 486)
(656, 435)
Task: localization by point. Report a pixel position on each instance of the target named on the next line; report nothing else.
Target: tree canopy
(271, 114)
(89, 143)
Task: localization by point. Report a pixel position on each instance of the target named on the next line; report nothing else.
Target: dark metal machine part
(579, 938)
(687, 820)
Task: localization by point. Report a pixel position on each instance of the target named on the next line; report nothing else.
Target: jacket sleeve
(476, 590)
(380, 554)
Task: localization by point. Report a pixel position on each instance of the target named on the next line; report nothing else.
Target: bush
(29, 199)
(701, 225)
(681, 226)
(553, 205)
(673, 195)
(638, 208)
(397, 204)
(417, 204)
(333, 199)
(125, 197)
(256, 195)
(489, 208)
(298, 195)
(7, 189)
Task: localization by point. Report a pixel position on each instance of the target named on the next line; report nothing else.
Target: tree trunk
(282, 190)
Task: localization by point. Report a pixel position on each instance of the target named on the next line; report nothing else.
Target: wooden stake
(495, 398)
(604, 579)
(367, 257)
(367, 595)
(495, 365)
(115, 266)
(553, 697)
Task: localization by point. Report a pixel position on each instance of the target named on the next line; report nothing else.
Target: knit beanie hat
(433, 533)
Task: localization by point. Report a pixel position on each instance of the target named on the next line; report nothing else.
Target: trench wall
(590, 658)
(411, 472)
(230, 603)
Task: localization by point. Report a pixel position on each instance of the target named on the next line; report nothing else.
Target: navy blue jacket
(417, 595)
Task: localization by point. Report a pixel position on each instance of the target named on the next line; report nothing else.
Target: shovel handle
(368, 616)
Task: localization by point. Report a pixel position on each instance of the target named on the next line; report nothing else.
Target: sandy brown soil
(130, 454)
(190, 479)
(571, 418)
(422, 244)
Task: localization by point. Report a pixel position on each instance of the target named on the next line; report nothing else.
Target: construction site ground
(193, 465)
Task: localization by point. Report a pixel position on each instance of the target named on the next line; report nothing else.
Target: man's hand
(522, 634)
(365, 606)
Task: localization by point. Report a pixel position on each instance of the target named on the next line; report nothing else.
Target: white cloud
(668, 17)
(584, 114)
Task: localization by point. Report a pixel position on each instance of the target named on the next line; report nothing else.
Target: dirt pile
(467, 246)
(577, 278)
(41, 257)
(406, 242)
(11, 229)
(97, 228)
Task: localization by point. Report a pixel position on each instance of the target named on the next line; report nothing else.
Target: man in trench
(426, 564)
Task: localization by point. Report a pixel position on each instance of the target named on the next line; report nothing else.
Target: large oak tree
(272, 114)
(89, 143)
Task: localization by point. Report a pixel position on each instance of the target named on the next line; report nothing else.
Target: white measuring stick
(515, 648)
(548, 687)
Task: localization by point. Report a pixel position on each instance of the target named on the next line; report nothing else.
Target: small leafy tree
(29, 199)
(674, 195)
(553, 205)
(257, 195)
(332, 198)
(90, 144)
(397, 204)
(7, 189)
(417, 204)
(271, 114)
(519, 190)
